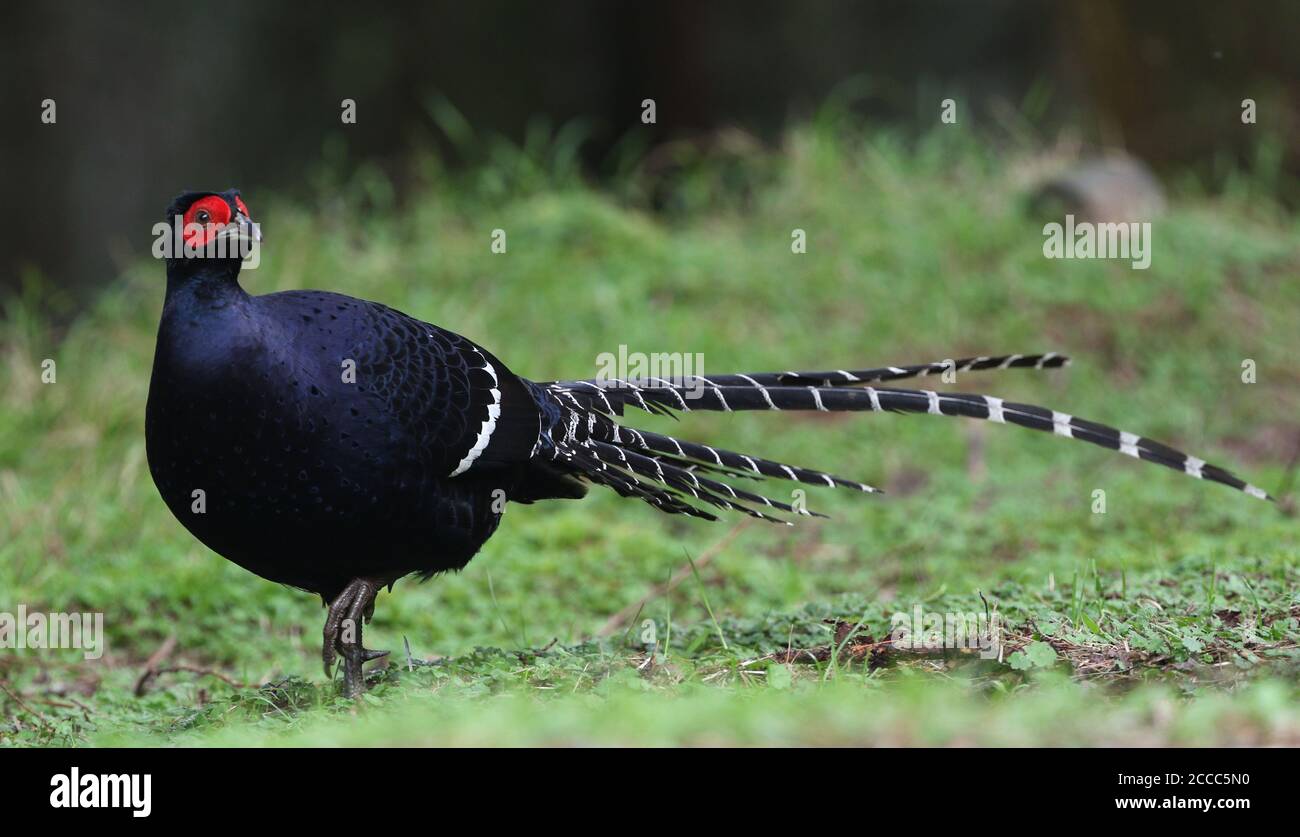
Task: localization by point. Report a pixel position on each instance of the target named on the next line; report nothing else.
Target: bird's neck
(213, 283)
(206, 317)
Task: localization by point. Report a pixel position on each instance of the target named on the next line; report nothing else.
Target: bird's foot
(349, 610)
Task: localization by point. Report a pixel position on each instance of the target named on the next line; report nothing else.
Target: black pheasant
(337, 445)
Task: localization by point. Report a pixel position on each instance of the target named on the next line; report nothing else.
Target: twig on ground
(684, 572)
(16, 699)
(225, 678)
(412, 661)
(151, 665)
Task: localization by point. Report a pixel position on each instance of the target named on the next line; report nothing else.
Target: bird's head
(210, 225)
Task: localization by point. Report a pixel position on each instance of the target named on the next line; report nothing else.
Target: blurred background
(155, 97)
(924, 240)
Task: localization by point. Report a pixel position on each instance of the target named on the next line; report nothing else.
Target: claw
(356, 604)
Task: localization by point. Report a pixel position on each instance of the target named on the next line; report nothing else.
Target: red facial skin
(204, 219)
(197, 233)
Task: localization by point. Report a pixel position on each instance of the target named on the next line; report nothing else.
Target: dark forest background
(156, 97)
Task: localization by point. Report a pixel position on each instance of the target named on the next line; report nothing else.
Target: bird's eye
(202, 216)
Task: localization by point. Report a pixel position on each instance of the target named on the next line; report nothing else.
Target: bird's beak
(242, 228)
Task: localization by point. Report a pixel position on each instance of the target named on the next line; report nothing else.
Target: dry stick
(612, 624)
(210, 672)
(19, 701)
(151, 665)
(76, 704)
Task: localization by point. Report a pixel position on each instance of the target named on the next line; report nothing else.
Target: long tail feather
(840, 399)
(848, 377)
(591, 424)
(740, 462)
(592, 467)
(702, 488)
(668, 472)
(856, 377)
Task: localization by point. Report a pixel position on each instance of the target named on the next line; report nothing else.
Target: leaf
(1148, 642)
(1020, 661)
(1040, 654)
(779, 677)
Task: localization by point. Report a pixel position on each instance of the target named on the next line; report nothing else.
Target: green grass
(1171, 618)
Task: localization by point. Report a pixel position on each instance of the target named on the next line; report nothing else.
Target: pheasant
(337, 445)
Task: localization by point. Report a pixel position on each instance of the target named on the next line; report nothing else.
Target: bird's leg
(352, 607)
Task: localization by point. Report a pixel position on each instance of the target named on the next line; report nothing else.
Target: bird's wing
(471, 414)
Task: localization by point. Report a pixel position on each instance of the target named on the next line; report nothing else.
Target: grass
(1172, 618)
